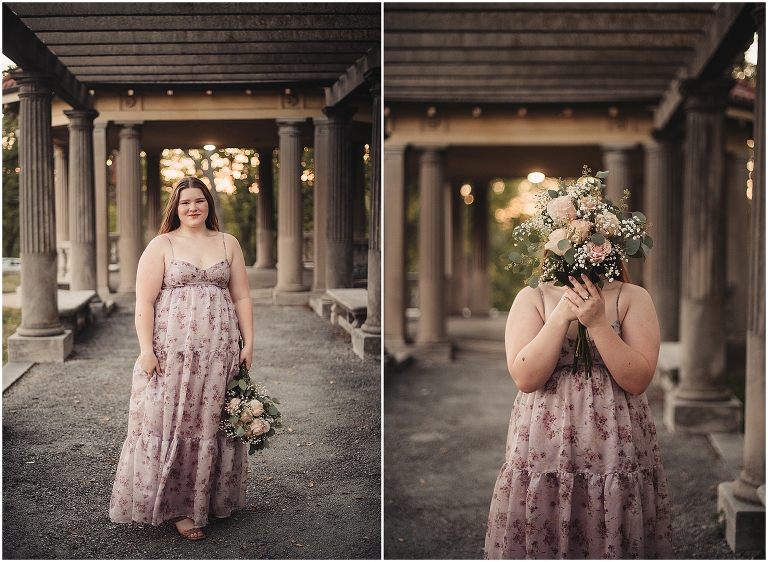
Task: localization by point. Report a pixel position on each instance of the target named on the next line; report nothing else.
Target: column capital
(130, 131)
(705, 95)
(337, 113)
(30, 82)
(431, 147)
(618, 146)
(320, 121)
(81, 117)
(289, 127)
(100, 125)
(668, 135)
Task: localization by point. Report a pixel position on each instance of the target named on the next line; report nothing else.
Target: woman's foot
(186, 528)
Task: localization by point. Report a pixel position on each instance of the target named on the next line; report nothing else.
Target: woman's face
(193, 207)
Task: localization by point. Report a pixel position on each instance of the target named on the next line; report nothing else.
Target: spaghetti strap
(617, 302)
(223, 240)
(169, 241)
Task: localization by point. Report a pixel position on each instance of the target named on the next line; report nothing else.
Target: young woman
(582, 477)
(192, 304)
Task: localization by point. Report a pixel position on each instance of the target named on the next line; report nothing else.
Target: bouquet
(249, 414)
(581, 232)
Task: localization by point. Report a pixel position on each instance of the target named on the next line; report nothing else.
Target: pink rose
(554, 238)
(256, 408)
(246, 417)
(588, 203)
(562, 208)
(607, 224)
(596, 254)
(258, 427)
(581, 229)
(233, 405)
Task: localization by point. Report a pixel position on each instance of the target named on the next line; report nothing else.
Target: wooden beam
(719, 45)
(26, 50)
(353, 78)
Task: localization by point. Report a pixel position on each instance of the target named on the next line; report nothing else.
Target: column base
(321, 304)
(437, 352)
(702, 416)
(40, 349)
(366, 345)
(290, 298)
(744, 522)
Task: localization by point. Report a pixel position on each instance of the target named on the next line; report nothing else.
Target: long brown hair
(171, 215)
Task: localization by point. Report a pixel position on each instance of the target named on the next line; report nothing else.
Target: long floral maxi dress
(582, 477)
(175, 462)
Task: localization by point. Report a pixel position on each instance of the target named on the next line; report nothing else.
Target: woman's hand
(246, 354)
(563, 311)
(586, 302)
(149, 364)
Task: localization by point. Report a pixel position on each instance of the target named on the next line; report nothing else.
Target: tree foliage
(10, 185)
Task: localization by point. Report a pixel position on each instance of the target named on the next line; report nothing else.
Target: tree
(10, 185)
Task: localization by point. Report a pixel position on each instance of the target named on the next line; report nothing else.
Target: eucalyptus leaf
(607, 200)
(552, 193)
(240, 431)
(233, 420)
(597, 239)
(270, 433)
(563, 245)
(640, 216)
(533, 248)
(528, 271)
(646, 250)
(601, 175)
(648, 241)
(515, 257)
(533, 282)
(633, 245)
(533, 237)
(242, 384)
(232, 384)
(570, 256)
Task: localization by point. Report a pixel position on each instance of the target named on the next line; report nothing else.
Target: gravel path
(314, 494)
(444, 435)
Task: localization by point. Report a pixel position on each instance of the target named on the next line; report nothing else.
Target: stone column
(395, 294)
(61, 183)
(617, 159)
(154, 212)
(479, 295)
(744, 509)
(265, 219)
(320, 201)
(290, 288)
(40, 337)
(101, 208)
(432, 321)
(457, 282)
(663, 202)
(702, 402)
(131, 243)
(369, 342)
(82, 214)
(737, 240)
(357, 153)
(339, 270)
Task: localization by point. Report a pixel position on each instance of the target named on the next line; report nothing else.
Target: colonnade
(75, 198)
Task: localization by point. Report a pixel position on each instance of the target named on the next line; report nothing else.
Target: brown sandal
(187, 533)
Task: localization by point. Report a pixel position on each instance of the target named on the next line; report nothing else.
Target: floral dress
(582, 477)
(175, 462)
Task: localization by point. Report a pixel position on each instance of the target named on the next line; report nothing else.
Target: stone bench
(349, 308)
(76, 308)
(668, 365)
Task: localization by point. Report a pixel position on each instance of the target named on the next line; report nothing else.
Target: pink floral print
(582, 477)
(175, 462)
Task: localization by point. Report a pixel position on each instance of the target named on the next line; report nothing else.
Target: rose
(607, 224)
(259, 426)
(554, 238)
(246, 417)
(588, 203)
(233, 406)
(562, 208)
(580, 230)
(256, 408)
(596, 254)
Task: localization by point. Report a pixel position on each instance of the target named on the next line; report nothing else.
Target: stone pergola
(123, 79)
(479, 91)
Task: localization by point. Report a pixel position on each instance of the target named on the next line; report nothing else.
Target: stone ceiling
(557, 52)
(198, 45)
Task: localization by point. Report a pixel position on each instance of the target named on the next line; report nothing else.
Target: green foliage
(10, 180)
(11, 321)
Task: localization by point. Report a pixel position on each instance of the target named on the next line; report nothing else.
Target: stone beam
(212, 48)
(722, 40)
(187, 9)
(540, 57)
(26, 50)
(354, 77)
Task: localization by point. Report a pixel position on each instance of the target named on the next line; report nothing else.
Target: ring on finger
(586, 298)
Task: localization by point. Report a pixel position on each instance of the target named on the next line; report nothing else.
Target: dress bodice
(181, 273)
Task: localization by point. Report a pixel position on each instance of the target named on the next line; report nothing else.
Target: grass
(11, 321)
(11, 281)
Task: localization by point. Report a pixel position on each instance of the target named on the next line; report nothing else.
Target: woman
(192, 304)
(582, 477)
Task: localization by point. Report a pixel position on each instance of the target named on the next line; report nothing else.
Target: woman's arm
(241, 298)
(149, 280)
(631, 358)
(533, 346)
